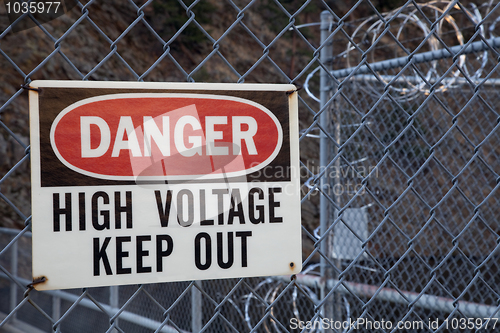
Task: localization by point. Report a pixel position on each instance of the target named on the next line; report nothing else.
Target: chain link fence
(400, 163)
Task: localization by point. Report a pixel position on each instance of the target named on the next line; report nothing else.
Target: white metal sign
(158, 182)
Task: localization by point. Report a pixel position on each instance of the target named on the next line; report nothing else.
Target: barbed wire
(407, 87)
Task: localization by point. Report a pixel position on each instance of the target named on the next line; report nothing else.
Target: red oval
(226, 122)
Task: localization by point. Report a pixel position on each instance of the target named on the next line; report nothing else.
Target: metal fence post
(13, 285)
(114, 301)
(196, 308)
(56, 308)
(325, 149)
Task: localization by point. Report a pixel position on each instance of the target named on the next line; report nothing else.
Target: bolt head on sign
(159, 182)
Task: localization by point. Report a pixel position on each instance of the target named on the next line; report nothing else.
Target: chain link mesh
(399, 159)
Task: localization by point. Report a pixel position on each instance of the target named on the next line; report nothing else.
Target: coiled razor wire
(272, 287)
(406, 18)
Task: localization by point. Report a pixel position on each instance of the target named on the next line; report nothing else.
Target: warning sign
(159, 182)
